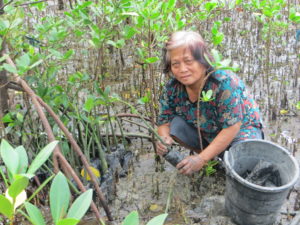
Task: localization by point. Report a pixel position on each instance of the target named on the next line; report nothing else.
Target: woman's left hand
(190, 164)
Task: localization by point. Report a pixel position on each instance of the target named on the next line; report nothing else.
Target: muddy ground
(196, 199)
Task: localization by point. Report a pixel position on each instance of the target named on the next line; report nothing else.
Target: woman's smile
(185, 68)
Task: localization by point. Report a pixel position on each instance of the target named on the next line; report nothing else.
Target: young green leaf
(207, 96)
(4, 24)
(81, 205)
(151, 60)
(59, 197)
(18, 186)
(6, 207)
(216, 55)
(36, 64)
(110, 42)
(9, 68)
(68, 221)
(19, 199)
(171, 4)
(107, 91)
(68, 54)
(41, 158)
(3, 58)
(225, 62)
(158, 220)
(298, 105)
(131, 219)
(89, 104)
(16, 22)
(23, 61)
(129, 32)
(10, 157)
(35, 215)
(23, 159)
(7, 118)
(143, 100)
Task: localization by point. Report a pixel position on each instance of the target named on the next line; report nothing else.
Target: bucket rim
(231, 172)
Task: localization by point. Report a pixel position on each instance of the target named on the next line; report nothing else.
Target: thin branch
(31, 3)
(132, 115)
(80, 154)
(5, 5)
(37, 101)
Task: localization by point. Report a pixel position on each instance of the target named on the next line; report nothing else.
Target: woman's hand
(161, 148)
(191, 164)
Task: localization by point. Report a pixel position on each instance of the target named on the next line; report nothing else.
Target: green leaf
(3, 57)
(18, 186)
(209, 6)
(35, 215)
(131, 219)
(106, 91)
(81, 205)
(267, 13)
(143, 100)
(158, 220)
(298, 105)
(4, 24)
(130, 14)
(16, 22)
(6, 207)
(120, 43)
(10, 157)
(55, 53)
(23, 61)
(68, 221)
(7, 118)
(129, 32)
(9, 68)
(20, 117)
(225, 62)
(171, 4)
(294, 15)
(59, 197)
(207, 96)
(36, 64)
(41, 158)
(151, 60)
(216, 55)
(89, 104)
(110, 42)
(68, 54)
(217, 39)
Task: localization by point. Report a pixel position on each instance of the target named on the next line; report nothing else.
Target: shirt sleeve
(229, 101)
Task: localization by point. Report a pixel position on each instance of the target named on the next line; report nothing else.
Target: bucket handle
(228, 167)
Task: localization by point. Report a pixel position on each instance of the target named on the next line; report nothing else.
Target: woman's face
(185, 68)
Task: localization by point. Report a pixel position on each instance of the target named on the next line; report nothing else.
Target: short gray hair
(192, 41)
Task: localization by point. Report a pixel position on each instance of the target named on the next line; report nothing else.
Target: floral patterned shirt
(231, 103)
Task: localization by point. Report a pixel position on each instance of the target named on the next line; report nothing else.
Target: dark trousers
(187, 135)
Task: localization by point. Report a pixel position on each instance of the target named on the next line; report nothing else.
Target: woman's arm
(164, 132)
(194, 163)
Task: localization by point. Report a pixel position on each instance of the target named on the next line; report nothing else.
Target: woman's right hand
(161, 149)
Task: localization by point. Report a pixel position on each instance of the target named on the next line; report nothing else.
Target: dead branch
(57, 153)
(80, 154)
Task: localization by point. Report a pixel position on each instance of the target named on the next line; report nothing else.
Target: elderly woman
(230, 116)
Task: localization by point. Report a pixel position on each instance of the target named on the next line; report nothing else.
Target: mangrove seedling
(18, 175)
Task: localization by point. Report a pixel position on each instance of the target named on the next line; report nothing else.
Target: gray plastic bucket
(248, 203)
